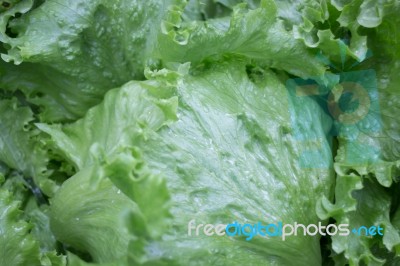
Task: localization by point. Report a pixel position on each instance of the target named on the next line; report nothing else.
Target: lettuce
(124, 123)
(22, 242)
(70, 54)
(234, 170)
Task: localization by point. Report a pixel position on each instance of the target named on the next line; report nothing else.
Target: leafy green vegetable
(20, 144)
(20, 241)
(212, 171)
(256, 34)
(123, 122)
(378, 161)
(72, 53)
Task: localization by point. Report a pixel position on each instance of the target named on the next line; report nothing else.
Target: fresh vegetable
(122, 122)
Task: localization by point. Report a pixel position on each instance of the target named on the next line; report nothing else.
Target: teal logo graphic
(349, 105)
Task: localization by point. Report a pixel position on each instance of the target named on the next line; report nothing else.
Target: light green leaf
(361, 203)
(18, 246)
(120, 200)
(143, 107)
(255, 34)
(20, 145)
(232, 151)
(73, 52)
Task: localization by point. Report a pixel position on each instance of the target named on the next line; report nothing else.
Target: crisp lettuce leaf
(361, 203)
(357, 14)
(141, 112)
(120, 201)
(19, 244)
(367, 159)
(317, 23)
(233, 148)
(17, 146)
(206, 9)
(378, 132)
(385, 45)
(111, 223)
(21, 147)
(93, 221)
(230, 149)
(227, 139)
(73, 52)
(255, 34)
(368, 14)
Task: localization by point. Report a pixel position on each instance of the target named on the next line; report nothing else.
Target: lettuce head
(127, 128)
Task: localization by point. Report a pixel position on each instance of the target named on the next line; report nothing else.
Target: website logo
(279, 229)
(349, 103)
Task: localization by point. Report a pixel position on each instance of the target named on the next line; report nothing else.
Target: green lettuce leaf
(21, 146)
(72, 53)
(367, 161)
(206, 9)
(19, 242)
(316, 23)
(120, 201)
(197, 111)
(362, 203)
(145, 106)
(232, 152)
(371, 145)
(255, 34)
